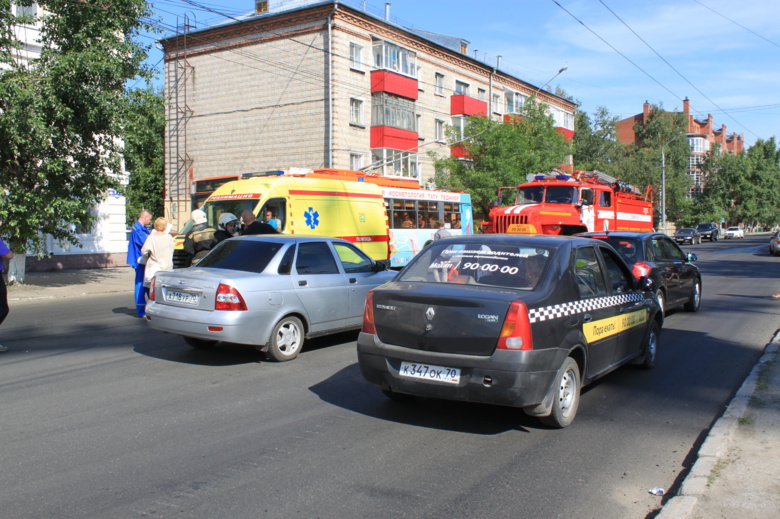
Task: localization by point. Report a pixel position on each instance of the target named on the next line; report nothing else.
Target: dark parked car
(270, 291)
(515, 320)
(687, 235)
(655, 255)
(710, 231)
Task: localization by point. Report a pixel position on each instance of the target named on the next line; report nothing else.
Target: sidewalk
(72, 283)
(737, 471)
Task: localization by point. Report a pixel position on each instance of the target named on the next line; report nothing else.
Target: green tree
(501, 153)
(663, 134)
(61, 115)
(144, 131)
(596, 145)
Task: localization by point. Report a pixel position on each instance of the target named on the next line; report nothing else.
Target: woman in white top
(159, 247)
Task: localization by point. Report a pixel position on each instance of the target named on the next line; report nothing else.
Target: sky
(722, 55)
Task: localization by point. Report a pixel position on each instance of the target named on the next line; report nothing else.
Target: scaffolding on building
(179, 163)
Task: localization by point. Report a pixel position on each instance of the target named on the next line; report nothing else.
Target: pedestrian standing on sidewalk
(159, 248)
(137, 239)
(7, 256)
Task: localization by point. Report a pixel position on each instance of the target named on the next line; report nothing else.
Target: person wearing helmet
(226, 227)
(199, 241)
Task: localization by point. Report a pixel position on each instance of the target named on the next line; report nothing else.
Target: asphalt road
(102, 417)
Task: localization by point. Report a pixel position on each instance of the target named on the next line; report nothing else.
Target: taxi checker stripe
(545, 313)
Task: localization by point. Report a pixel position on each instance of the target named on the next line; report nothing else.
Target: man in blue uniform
(137, 238)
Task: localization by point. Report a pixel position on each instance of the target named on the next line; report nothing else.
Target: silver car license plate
(172, 296)
(430, 372)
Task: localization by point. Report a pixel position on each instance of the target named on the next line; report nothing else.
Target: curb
(716, 445)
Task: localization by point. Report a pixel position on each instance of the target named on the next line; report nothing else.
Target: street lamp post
(663, 182)
(564, 69)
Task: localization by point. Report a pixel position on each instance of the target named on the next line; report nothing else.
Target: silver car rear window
(508, 266)
(243, 255)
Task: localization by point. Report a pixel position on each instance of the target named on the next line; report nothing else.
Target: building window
(568, 121)
(395, 163)
(697, 144)
(356, 112)
(439, 131)
(461, 88)
(261, 7)
(418, 118)
(439, 84)
(390, 110)
(356, 56)
(694, 162)
(514, 101)
(27, 10)
(459, 123)
(392, 57)
(355, 161)
(497, 103)
(482, 94)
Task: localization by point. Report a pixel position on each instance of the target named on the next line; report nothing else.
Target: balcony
(461, 104)
(393, 83)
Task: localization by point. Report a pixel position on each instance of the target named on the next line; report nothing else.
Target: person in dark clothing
(200, 239)
(252, 226)
(226, 228)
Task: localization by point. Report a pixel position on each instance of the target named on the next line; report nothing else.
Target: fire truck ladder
(178, 74)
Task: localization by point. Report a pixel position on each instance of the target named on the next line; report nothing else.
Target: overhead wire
(725, 112)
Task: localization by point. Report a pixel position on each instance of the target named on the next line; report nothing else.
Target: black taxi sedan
(523, 321)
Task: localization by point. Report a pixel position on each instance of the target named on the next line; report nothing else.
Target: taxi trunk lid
(438, 318)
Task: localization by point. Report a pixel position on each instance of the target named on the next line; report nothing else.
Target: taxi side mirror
(646, 284)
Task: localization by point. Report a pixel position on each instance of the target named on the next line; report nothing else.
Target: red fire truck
(565, 204)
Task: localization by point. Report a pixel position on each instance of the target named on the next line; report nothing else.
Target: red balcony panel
(513, 118)
(392, 83)
(465, 105)
(393, 138)
(569, 134)
(458, 151)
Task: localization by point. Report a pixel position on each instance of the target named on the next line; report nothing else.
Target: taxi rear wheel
(661, 299)
(651, 347)
(286, 340)
(199, 344)
(566, 396)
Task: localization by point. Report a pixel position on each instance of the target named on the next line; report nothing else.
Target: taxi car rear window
(507, 266)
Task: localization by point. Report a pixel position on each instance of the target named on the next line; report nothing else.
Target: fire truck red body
(568, 204)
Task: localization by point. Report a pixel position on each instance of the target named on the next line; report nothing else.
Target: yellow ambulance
(346, 209)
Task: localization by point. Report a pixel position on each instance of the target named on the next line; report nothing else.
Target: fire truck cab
(568, 204)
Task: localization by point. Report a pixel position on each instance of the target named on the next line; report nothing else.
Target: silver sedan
(268, 291)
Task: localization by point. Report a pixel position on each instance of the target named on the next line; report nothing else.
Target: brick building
(701, 134)
(323, 84)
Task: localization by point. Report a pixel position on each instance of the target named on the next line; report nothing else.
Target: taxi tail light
(516, 331)
(641, 269)
(228, 298)
(368, 314)
(151, 288)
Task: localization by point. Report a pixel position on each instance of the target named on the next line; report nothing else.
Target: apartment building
(324, 84)
(701, 135)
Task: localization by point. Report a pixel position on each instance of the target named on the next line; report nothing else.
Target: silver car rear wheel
(286, 340)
